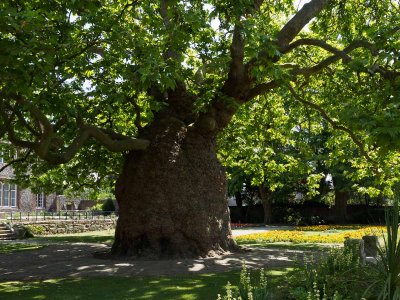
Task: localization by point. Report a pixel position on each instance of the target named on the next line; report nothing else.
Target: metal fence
(60, 215)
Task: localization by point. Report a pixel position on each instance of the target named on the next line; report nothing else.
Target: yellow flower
(301, 236)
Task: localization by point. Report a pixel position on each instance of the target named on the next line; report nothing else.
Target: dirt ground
(62, 260)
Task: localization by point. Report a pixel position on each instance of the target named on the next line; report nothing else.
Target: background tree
(157, 82)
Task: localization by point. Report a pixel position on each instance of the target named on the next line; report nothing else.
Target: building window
(40, 200)
(13, 195)
(8, 195)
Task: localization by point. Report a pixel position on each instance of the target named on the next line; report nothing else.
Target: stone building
(14, 198)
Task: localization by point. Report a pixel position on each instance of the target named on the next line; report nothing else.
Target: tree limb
(136, 107)
(314, 42)
(334, 124)
(260, 89)
(334, 58)
(86, 132)
(299, 20)
(17, 160)
(290, 31)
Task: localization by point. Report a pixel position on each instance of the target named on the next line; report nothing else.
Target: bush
(32, 230)
(108, 205)
(339, 270)
(248, 289)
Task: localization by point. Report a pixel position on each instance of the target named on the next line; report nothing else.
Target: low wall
(68, 226)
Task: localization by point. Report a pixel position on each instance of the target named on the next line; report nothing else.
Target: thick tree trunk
(172, 197)
(341, 199)
(266, 200)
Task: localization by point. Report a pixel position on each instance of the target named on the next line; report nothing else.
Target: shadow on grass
(104, 237)
(204, 286)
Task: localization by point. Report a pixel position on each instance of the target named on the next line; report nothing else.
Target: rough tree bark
(266, 200)
(173, 196)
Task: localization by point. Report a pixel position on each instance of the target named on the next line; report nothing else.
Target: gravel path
(59, 260)
(76, 260)
(250, 230)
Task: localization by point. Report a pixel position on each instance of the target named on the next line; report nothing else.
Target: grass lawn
(105, 236)
(204, 286)
(6, 248)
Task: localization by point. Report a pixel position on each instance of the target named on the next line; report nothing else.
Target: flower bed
(296, 236)
(335, 227)
(245, 225)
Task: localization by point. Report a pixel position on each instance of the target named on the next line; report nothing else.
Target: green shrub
(32, 230)
(390, 257)
(97, 207)
(248, 289)
(108, 205)
(338, 270)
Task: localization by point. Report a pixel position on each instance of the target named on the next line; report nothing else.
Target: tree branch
(299, 20)
(17, 160)
(334, 58)
(136, 107)
(260, 89)
(236, 75)
(86, 132)
(314, 42)
(334, 124)
(290, 31)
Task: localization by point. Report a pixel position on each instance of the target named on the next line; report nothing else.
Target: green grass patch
(203, 286)
(7, 248)
(106, 236)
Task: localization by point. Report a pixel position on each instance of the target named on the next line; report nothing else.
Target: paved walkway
(76, 260)
(60, 259)
(250, 230)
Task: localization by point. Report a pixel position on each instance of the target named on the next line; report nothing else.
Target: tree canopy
(81, 79)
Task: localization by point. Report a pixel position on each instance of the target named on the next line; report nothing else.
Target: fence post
(36, 215)
(11, 216)
(44, 215)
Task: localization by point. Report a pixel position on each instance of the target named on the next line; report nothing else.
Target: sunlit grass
(204, 286)
(11, 247)
(105, 236)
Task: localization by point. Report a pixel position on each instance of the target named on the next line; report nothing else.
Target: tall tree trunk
(266, 200)
(341, 199)
(239, 204)
(172, 197)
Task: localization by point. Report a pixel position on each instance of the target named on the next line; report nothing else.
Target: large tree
(158, 80)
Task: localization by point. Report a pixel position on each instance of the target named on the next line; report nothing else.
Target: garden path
(250, 230)
(76, 260)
